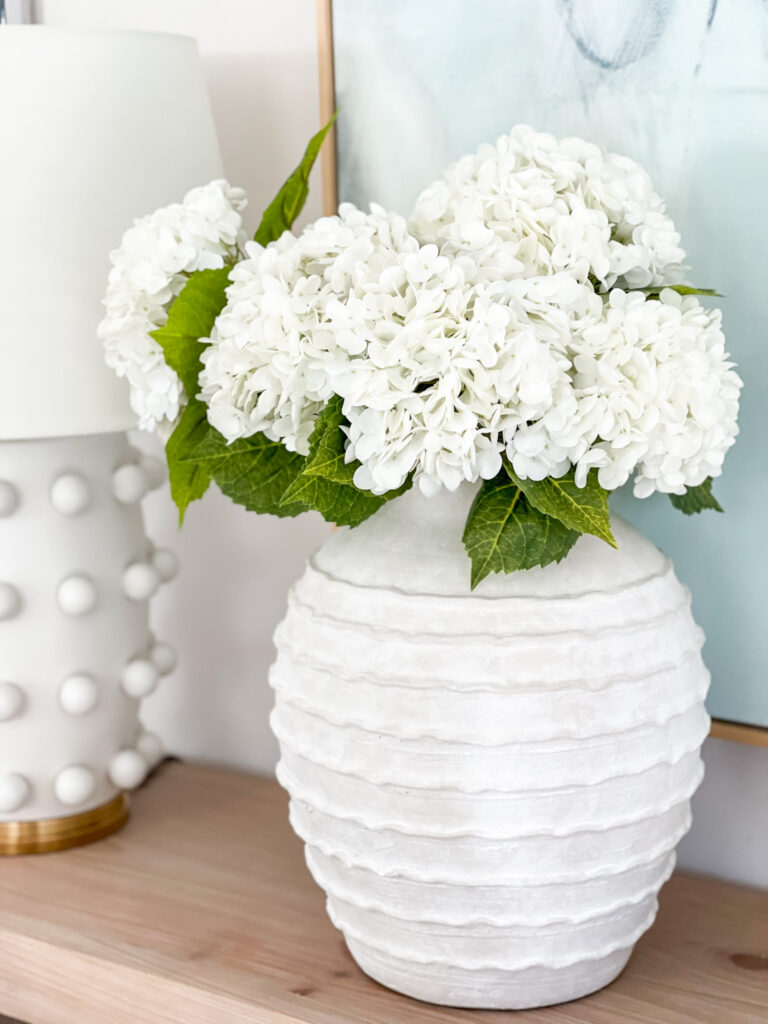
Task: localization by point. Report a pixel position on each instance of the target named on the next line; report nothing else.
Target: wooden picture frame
(327, 93)
(736, 732)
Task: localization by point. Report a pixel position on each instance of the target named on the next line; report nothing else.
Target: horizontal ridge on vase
(490, 784)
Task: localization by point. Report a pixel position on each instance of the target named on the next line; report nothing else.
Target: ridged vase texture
(490, 784)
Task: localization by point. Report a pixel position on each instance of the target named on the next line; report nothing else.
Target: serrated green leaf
(189, 481)
(326, 482)
(336, 503)
(289, 201)
(504, 532)
(327, 446)
(696, 499)
(583, 509)
(253, 471)
(210, 446)
(191, 317)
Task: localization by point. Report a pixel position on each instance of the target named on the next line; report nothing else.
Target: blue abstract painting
(681, 86)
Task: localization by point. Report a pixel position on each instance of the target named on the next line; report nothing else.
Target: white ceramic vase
(490, 785)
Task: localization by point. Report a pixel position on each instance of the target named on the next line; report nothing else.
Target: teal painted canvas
(681, 86)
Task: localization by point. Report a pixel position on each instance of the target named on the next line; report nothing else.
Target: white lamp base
(76, 652)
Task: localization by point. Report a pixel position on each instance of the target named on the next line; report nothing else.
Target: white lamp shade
(97, 128)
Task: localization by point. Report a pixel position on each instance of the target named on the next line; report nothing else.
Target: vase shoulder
(413, 545)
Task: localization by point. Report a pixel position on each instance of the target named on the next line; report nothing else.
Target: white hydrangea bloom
(657, 394)
(624, 384)
(423, 360)
(295, 317)
(443, 372)
(413, 403)
(149, 269)
(533, 205)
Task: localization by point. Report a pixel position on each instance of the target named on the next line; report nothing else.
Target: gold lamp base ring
(52, 834)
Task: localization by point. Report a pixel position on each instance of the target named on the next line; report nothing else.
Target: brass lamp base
(52, 834)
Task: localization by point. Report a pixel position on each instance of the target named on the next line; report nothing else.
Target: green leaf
(252, 471)
(326, 482)
(654, 291)
(289, 201)
(504, 532)
(696, 499)
(336, 503)
(584, 509)
(191, 317)
(327, 446)
(189, 481)
(209, 446)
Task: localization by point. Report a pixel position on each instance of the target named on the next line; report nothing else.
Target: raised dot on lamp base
(70, 494)
(163, 657)
(9, 499)
(74, 785)
(14, 792)
(140, 677)
(129, 483)
(79, 694)
(10, 601)
(165, 563)
(128, 769)
(77, 595)
(140, 581)
(150, 748)
(11, 701)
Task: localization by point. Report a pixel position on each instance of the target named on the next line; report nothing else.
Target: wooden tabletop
(201, 911)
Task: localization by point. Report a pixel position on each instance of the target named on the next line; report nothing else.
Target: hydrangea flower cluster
(533, 205)
(149, 269)
(502, 321)
(498, 322)
(295, 322)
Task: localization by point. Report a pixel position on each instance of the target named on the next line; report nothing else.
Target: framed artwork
(681, 86)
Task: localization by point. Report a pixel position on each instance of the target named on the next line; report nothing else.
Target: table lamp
(97, 128)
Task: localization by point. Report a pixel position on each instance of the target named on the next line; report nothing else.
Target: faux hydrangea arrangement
(527, 330)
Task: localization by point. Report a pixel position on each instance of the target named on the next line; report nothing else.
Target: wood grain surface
(736, 732)
(201, 911)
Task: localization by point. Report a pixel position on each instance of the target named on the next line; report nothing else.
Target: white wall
(730, 815)
(261, 65)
